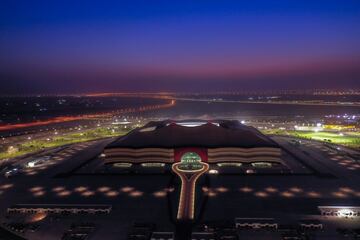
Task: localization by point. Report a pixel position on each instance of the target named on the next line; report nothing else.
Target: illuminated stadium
(223, 150)
(190, 179)
(180, 120)
(219, 143)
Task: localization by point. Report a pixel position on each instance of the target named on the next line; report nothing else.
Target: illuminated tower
(189, 169)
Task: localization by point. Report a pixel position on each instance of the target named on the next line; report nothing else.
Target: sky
(203, 45)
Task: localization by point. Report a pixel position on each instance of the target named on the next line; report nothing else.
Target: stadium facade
(219, 141)
(193, 148)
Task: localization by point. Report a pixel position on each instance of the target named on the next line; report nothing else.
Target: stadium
(224, 143)
(190, 179)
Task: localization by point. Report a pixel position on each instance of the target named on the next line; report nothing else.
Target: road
(297, 102)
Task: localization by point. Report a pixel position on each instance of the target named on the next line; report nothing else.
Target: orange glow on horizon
(63, 119)
(38, 123)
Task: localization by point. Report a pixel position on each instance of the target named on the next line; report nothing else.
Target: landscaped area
(32, 146)
(350, 139)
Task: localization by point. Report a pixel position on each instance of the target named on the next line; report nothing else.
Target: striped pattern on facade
(258, 150)
(215, 155)
(141, 155)
(245, 160)
(218, 155)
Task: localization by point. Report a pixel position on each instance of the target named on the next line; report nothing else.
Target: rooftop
(194, 133)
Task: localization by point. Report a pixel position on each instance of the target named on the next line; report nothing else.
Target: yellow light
(261, 194)
(287, 194)
(271, 189)
(127, 189)
(246, 189)
(159, 194)
(136, 194)
(112, 193)
(103, 189)
(296, 189)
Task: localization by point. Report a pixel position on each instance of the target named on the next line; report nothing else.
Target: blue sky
(134, 45)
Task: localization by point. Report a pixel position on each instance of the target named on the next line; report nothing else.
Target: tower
(189, 169)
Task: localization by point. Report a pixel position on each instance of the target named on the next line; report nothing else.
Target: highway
(62, 119)
(295, 102)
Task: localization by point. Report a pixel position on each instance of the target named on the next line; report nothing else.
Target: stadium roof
(193, 133)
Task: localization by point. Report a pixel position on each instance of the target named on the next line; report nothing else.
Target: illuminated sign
(190, 161)
(189, 168)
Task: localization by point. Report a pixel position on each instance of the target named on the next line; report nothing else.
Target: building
(191, 148)
(226, 142)
(190, 180)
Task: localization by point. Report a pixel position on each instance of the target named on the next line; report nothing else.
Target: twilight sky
(203, 45)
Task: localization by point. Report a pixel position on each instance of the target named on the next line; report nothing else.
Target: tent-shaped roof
(207, 134)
